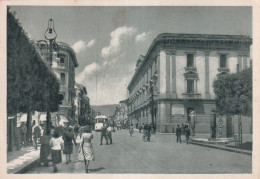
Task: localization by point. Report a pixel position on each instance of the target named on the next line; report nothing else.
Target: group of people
(183, 130)
(106, 132)
(61, 140)
(28, 136)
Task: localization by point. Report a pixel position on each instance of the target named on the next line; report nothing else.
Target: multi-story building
(81, 102)
(63, 65)
(176, 76)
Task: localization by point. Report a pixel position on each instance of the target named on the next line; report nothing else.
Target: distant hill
(105, 109)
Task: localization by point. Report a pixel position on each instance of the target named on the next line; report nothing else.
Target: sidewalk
(19, 161)
(247, 143)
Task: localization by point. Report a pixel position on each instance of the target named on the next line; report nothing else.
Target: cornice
(204, 42)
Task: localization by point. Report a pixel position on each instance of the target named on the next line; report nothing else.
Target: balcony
(191, 95)
(193, 69)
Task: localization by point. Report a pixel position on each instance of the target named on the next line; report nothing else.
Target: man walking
(109, 134)
(178, 133)
(36, 130)
(187, 133)
(104, 133)
(23, 130)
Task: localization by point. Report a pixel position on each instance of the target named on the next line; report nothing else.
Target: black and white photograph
(129, 89)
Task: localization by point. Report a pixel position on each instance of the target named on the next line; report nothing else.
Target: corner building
(177, 74)
(63, 65)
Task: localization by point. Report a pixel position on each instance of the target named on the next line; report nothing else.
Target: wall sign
(177, 109)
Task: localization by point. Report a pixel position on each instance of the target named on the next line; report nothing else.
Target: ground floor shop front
(168, 113)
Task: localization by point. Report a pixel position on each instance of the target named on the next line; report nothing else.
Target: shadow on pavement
(96, 169)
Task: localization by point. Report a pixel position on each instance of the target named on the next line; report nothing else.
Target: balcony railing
(191, 95)
(194, 69)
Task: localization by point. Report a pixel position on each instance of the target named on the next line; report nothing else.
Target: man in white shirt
(109, 133)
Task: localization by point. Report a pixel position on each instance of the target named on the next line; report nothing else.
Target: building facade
(176, 77)
(63, 65)
(81, 101)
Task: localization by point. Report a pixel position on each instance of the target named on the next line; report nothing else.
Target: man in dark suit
(104, 133)
(178, 133)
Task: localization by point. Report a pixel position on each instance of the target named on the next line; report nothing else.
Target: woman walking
(68, 137)
(57, 145)
(45, 148)
(86, 146)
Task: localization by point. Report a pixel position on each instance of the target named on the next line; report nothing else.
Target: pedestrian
(76, 131)
(86, 147)
(131, 129)
(182, 129)
(143, 127)
(109, 134)
(68, 138)
(187, 133)
(18, 137)
(149, 129)
(23, 130)
(104, 133)
(45, 149)
(56, 144)
(36, 131)
(178, 133)
(145, 132)
(140, 128)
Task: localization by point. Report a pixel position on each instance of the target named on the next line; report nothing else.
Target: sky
(109, 40)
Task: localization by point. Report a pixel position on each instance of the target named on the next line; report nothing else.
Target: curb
(25, 168)
(223, 148)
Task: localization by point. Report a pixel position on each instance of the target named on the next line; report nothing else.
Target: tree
(30, 84)
(234, 95)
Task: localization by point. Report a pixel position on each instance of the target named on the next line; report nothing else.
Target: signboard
(177, 109)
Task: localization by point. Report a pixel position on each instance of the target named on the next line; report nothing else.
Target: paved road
(161, 155)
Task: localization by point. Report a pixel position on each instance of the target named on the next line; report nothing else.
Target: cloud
(88, 70)
(91, 43)
(117, 38)
(141, 37)
(79, 46)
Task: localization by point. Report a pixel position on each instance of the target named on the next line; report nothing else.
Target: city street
(161, 155)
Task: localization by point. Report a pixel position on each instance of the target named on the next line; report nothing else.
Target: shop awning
(63, 120)
(43, 117)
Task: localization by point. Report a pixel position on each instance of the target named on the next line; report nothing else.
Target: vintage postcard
(148, 89)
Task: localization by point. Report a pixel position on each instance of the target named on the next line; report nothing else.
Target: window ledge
(223, 69)
(191, 95)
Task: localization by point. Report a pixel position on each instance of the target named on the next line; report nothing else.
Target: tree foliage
(234, 93)
(30, 84)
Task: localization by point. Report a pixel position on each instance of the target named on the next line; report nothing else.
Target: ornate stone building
(63, 65)
(176, 76)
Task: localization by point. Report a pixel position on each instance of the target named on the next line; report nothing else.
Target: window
(190, 60)
(62, 58)
(62, 78)
(223, 61)
(190, 86)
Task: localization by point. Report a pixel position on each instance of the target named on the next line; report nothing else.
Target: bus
(99, 121)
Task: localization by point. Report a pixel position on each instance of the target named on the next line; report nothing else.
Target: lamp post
(49, 44)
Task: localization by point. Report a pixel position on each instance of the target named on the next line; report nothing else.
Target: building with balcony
(176, 76)
(64, 62)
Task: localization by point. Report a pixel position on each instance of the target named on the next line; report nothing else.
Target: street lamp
(49, 44)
